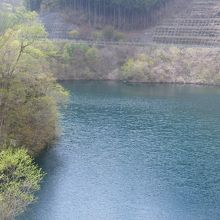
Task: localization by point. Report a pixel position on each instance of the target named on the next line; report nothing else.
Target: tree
(108, 33)
(123, 14)
(29, 94)
(20, 178)
(33, 4)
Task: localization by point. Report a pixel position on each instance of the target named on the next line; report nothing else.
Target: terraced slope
(188, 22)
(196, 24)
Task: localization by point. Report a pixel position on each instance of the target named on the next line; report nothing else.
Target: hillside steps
(189, 22)
(198, 23)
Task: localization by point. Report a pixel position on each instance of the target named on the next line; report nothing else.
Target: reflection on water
(134, 152)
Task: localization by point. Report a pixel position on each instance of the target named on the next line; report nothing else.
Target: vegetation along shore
(43, 42)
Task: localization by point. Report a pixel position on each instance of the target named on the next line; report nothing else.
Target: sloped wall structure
(197, 24)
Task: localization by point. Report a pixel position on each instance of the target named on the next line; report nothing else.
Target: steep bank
(183, 25)
(76, 62)
(132, 64)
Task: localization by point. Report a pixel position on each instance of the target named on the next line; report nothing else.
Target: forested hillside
(122, 14)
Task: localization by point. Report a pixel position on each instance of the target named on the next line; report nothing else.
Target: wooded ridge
(123, 14)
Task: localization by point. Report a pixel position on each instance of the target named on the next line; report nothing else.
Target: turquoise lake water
(134, 152)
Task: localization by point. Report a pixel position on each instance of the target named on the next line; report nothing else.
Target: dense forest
(123, 14)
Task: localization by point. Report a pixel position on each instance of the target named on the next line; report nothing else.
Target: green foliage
(74, 34)
(173, 65)
(92, 56)
(29, 99)
(29, 94)
(83, 59)
(128, 70)
(10, 17)
(74, 52)
(109, 33)
(71, 51)
(19, 179)
(31, 115)
(97, 35)
(119, 36)
(138, 69)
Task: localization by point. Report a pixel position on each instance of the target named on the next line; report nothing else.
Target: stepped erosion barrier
(196, 24)
(145, 64)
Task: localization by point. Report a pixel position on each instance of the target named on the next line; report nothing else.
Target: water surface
(134, 152)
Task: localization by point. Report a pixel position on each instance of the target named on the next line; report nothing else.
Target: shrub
(20, 178)
(74, 34)
(71, 50)
(119, 36)
(97, 35)
(108, 33)
(137, 69)
(92, 55)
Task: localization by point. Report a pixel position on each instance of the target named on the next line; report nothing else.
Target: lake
(133, 152)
